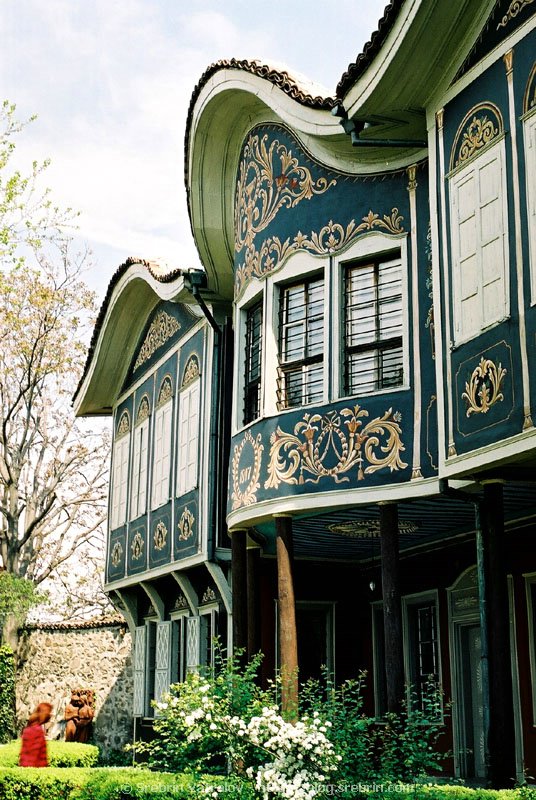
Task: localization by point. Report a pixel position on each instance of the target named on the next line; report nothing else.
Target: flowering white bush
(301, 755)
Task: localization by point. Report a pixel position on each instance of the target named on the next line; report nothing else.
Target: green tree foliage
(53, 468)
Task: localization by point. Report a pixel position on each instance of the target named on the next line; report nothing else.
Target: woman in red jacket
(33, 752)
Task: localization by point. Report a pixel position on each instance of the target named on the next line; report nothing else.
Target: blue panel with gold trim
(160, 537)
(137, 548)
(191, 360)
(186, 534)
(504, 19)
(167, 323)
(115, 567)
(487, 397)
(348, 445)
(287, 202)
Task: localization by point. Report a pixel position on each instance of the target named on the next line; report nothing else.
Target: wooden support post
(239, 587)
(392, 609)
(253, 558)
(288, 641)
(502, 758)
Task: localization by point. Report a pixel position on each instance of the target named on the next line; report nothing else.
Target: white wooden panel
(162, 660)
(192, 644)
(529, 134)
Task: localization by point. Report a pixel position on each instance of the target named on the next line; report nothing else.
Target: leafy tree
(53, 468)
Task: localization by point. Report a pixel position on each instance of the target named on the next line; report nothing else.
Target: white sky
(111, 80)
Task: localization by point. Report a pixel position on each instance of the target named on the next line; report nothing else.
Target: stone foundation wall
(56, 658)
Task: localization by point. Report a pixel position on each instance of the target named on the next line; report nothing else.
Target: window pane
(253, 359)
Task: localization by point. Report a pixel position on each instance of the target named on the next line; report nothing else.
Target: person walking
(33, 751)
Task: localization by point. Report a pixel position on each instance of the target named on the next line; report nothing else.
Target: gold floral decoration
(320, 440)
(117, 554)
(513, 10)
(137, 546)
(123, 426)
(160, 536)
(186, 525)
(368, 528)
(166, 391)
(329, 239)
(209, 596)
(144, 410)
(180, 603)
(263, 188)
(191, 371)
(480, 126)
(162, 328)
(483, 389)
(250, 473)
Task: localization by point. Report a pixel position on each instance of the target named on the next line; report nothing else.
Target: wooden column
(288, 641)
(392, 609)
(502, 758)
(253, 637)
(239, 586)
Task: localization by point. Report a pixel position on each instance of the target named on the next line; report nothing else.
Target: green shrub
(60, 754)
(7, 694)
(25, 783)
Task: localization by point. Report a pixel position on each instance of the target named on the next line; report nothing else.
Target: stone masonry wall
(97, 655)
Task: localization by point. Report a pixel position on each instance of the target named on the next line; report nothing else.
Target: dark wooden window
(301, 344)
(252, 376)
(423, 649)
(373, 357)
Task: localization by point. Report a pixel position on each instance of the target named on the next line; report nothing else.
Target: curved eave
(134, 292)
(225, 105)
(419, 54)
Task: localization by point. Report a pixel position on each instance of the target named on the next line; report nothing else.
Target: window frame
(530, 580)
(252, 386)
(461, 174)
(410, 603)
(120, 478)
(300, 365)
(207, 644)
(191, 470)
(138, 505)
(529, 149)
(378, 344)
(161, 478)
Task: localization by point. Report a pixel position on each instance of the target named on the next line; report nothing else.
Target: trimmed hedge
(135, 783)
(108, 783)
(60, 754)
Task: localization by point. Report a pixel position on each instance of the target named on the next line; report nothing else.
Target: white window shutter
(162, 678)
(188, 450)
(124, 450)
(134, 494)
(192, 644)
(139, 672)
(529, 133)
(166, 453)
(142, 476)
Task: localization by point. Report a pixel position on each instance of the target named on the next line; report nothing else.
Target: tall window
(252, 370)
(162, 445)
(120, 472)
(479, 243)
(301, 344)
(373, 357)
(138, 502)
(188, 449)
(422, 648)
(529, 134)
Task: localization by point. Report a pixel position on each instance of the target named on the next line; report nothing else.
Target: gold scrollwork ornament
(117, 553)
(160, 536)
(251, 473)
(483, 389)
(186, 525)
(321, 439)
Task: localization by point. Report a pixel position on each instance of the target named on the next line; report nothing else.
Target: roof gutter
(354, 130)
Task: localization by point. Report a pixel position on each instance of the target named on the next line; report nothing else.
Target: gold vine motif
(311, 444)
(143, 410)
(165, 393)
(117, 552)
(260, 193)
(137, 546)
(252, 472)
(513, 10)
(483, 389)
(123, 426)
(186, 525)
(160, 536)
(191, 371)
(478, 133)
(328, 239)
(161, 329)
